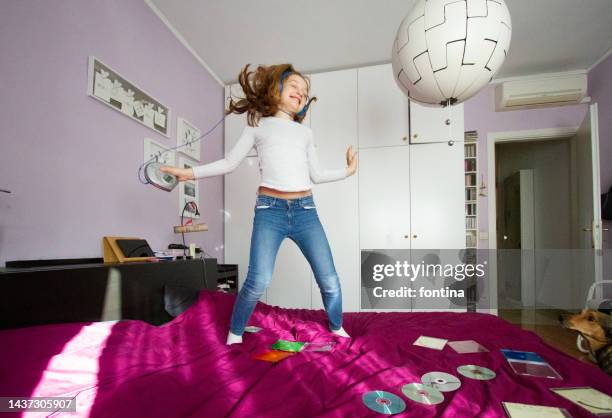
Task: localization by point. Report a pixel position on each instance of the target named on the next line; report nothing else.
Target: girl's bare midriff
(283, 195)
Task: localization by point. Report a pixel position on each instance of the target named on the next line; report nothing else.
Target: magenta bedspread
(182, 368)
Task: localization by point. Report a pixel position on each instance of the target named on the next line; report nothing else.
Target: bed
(130, 368)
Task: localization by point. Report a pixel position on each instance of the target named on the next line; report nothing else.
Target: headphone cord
(159, 154)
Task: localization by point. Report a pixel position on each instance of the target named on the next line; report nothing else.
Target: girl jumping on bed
(276, 101)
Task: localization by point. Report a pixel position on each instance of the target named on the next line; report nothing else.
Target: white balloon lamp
(445, 51)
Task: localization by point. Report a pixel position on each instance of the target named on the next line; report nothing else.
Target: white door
(384, 217)
(333, 120)
(383, 108)
(437, 196)
(437, 219)
(435, 124)
(290, 286)
(587, 223)
(384, 198)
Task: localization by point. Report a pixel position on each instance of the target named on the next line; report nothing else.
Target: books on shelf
(470, 194)
(470, 223)
(470, 165)
(470, 239)
(471, 188)
(470, 179)
(470, 150)
(471, 136)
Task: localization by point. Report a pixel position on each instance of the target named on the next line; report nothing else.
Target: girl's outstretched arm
(233, 158)
(321, 175)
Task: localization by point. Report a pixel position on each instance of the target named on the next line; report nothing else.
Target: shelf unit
(471, 188)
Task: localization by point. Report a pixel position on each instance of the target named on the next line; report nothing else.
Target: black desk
(98, 291)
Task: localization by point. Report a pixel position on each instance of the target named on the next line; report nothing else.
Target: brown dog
(596, 328)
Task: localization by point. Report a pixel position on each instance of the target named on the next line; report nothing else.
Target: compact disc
(423, 393)
(476, 372)
(383, 402)
(444, 382)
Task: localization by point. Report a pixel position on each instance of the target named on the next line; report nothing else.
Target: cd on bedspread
(476, 372)
(444, 382)
(383, 402)
(422, 393)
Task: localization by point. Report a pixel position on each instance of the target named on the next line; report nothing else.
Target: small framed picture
(153, 149)
(188, 191)
(187, 135)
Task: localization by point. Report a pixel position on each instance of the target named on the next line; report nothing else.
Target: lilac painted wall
(70, 160)
(480, 115)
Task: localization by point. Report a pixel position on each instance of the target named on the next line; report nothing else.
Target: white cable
(159, 154)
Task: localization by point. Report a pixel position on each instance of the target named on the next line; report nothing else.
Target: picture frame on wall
(186, 133)
(107, 86)
(188, 190)
(154, 149)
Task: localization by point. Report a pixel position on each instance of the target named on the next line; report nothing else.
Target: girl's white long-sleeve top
(287, 156)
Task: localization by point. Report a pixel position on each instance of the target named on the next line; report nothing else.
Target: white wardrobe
(407, 193)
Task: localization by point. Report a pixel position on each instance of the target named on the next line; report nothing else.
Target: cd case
(522, 410)
(284, 345)
(467, 346)
(319, 346)
(273, 356)
(594, 401)
(430, 342)
(528, 363)
(522, 356)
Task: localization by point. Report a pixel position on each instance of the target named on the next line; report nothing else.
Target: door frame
(494, 138)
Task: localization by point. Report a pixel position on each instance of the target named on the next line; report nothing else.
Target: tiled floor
(545, 323)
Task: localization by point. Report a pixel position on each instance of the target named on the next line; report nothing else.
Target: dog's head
(595, 326)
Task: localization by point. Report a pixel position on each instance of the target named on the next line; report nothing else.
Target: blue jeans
(297, 219)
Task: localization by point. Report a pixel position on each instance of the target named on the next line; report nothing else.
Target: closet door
(436, 190)
(290, 286)
(435, 124)
(240, 188)
(384, 198)
(333, 119)
(383, 108)
(384, 217)
(437, 218)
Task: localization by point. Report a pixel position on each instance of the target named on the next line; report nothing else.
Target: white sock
(233, 338)
(341, 332)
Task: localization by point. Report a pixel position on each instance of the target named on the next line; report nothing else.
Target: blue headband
(284, 75)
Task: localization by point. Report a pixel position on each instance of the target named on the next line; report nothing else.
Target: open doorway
(545, 223)
(533, 197)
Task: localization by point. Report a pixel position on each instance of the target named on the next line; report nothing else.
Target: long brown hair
(262, 92)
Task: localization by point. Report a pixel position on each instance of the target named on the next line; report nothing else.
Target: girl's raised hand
(181, 174)
(351, 160)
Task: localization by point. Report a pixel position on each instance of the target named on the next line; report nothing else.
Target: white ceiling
(322, 35)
